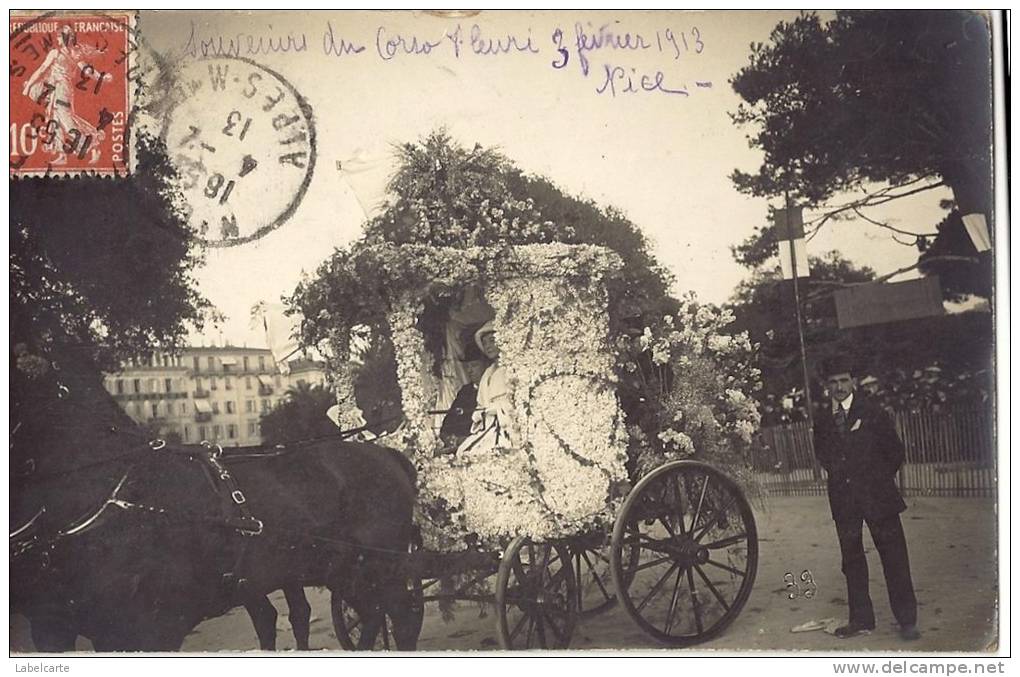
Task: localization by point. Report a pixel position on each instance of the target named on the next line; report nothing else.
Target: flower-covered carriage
(552, 514)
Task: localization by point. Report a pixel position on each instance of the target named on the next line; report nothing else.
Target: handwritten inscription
(580, 44)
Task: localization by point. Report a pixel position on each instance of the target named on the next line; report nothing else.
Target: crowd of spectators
(932, 389)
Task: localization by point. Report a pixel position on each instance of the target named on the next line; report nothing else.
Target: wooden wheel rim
(688, 562)
(546, 599)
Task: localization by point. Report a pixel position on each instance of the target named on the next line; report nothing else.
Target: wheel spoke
(672, 602)
(655, 588)
(701, 502)
(708, 527)
(654, 562)
(725, 567)
(557, 633)
(540, 628)
(726, 542)
(664, 521)
(694, 602)
(520, 625)
(712, 587)
(595, 575)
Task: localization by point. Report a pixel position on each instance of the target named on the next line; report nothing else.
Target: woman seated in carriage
(489, 425)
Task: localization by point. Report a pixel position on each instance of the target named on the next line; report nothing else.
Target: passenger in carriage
(490, 426)
(458, 420)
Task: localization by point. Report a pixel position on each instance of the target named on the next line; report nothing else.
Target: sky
(553, 98)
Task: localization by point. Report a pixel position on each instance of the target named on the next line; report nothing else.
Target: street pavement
(952, 544)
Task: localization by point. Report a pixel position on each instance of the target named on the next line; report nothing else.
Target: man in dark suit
(857, 444)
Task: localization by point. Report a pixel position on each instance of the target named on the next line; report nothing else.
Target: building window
(169, 384)
(232, 431)
(215, 407)
(265, 405)
(201, 432)
(120, 387)
(230, 407)
(247, 381)
(253, 428)
(211, 362)
(187, 434)
(262, 362)
(249, 406)
(216, 432)
(155, 409)
(138, 409)
(212, 382)
(136, 384)
(244, 361)
(184, 407)
(153, 385)
(227, 383)
(195, 362)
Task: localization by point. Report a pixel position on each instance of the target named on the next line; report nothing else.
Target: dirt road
(953, 559)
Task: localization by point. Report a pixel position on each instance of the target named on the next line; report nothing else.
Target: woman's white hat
(487, 328)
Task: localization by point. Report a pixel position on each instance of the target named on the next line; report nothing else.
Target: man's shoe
(852, 630)
(910, 632)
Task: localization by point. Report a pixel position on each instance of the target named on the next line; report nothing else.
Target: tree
(763, 306)
(301, 416)
(884, 104)
(103, 265)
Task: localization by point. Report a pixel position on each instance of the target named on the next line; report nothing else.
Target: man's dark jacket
(861, 463)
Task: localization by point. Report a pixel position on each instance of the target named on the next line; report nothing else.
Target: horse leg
(404, 613)
(263, 617)
(300, 615)
(53, 635)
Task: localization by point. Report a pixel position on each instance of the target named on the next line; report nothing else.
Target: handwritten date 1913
(618, 80)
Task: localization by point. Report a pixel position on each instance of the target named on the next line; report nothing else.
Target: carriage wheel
(536, 596)
(592, 571)
(348, 624)
(697, 552)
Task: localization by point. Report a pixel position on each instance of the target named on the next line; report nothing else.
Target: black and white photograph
(584, 332)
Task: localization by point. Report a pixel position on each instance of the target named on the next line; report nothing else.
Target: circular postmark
(242, 140)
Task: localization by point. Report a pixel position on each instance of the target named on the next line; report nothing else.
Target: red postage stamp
(70, 94)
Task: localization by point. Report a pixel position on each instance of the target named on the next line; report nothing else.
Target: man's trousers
(891, 544)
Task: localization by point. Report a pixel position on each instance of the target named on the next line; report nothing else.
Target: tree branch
(879, 197)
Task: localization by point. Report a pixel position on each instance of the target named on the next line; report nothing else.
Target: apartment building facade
(214, 393)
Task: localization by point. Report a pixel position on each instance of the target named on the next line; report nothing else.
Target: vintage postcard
(478, 330)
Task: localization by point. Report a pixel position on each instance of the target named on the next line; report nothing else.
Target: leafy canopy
(869, 97)
(103, 264)
(880, 104)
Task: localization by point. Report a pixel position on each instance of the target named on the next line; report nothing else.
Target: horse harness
(235, 514)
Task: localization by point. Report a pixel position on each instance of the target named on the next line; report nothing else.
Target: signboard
(789, 229)
(878, 303)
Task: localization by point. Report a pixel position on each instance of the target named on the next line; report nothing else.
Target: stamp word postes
(70, 94)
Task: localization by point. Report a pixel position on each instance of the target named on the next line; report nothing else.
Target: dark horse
(132, 543)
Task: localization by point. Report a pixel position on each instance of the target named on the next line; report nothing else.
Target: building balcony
(202, 417)
(199, 394)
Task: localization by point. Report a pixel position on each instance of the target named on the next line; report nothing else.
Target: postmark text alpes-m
(70, 94)
(243, 142)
